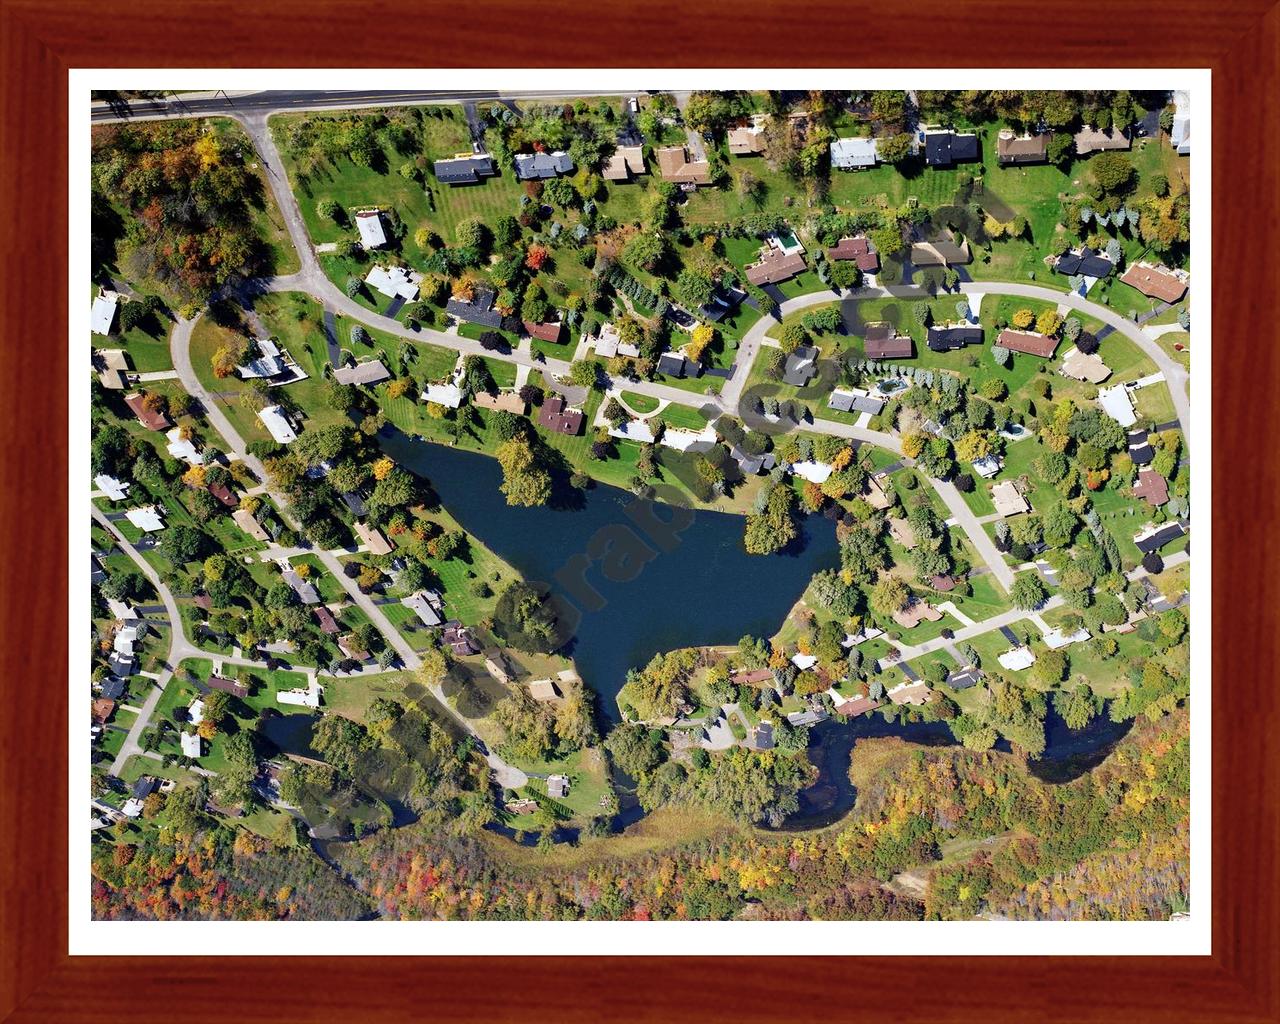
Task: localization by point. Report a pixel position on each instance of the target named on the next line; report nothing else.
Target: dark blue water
(636, 580)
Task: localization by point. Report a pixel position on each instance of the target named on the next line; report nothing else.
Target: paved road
(277, 101)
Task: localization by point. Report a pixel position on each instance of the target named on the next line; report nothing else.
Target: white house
(181, 448)
(1116, 403)
(369, 224)
(114, 489)
(195, 713)
(690, 440)
(988, 466)
(814, 472)
(394, 282)
(146, 518)
(1017, 658)
(1055, 639)
(190, 744)
(277, 423)
(854, 154)
(449, 395)
(803, 661)
(308, 698)
(103, 314)
(633, 430)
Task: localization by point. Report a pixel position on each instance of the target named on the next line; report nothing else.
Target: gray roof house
(853, 154)
(676, 364)
(465, 168)
(750, 465)
(305, 591)
(801, 366)
(479, 310)
(530, 166)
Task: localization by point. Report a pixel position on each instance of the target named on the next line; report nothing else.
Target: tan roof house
(1091, 368)
(674, 165)
(915, 613)
(373, 539)
(1008, 500)
(625, 163)
(505, 401)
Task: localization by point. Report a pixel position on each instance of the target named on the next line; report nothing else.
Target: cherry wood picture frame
(40, 41)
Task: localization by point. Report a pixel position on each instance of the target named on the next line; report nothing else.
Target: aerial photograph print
(742, 505)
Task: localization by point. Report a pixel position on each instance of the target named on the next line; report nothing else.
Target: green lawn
(641, 404)
(683, 417)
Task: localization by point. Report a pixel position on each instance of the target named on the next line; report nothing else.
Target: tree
(646, 250)
(1023, 319)
(585, 373)
(890, 595)
(1112, 172)
(1028, 591)
(525, 483)
(1153, 563)
(1062, 148)
(435, 666)
(887, 240)
(893, 149)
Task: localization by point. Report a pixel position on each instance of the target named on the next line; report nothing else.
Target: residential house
(882, 341)
(1093, 140)
(1157, 281)
(555, 415)
(328, 624)
(372, 538)
(723, 302)
(355, 503)
(1017, 658)
(812, 470)
(190, 743)
(674, 165)
(276, 421)
(465, 168)
(1078, 366)
(232, 686)
(875, 495)
(1028, 343)
(103, 313)
(963, 678)
(544, 690)
(1151, 488)
(1116, 403)
(394, 282)
(858, 250)
(1180, 133)
(557, 786)
(1056, 639)
(457, 637)
(760, 736)
(633, 430)
(225, 495)
(524, 806)
(112, 687)
(371, 371)
(1140, 450)
(427, 605)
(504, 401)
(1012, 148)
(750, 465)
(245, 520)
(549, 330)
(855, 154)
(308, 697)
(479, 309)
(677, 364)
(938, 248)
(988, 466)
(801, 366)
(266, 364)
(536, 166)
(916, 612)
(902, 531)
(775, 265)
(625, 163)
(351, 648)
(943, 584)
(1008, 500)
(854, 400)
(369, 224)
(1153, 538)
(947, 337)
(855, 707)
(114, 489)
(113, 368)
(803, 662)
(147, 518)
(943, 147)
(447, 394)
(102, 709)
(182, 448)
(195, 713)
(748, 139)
(152, 419)
(122, 610)
(1083, 262)
(305, 590)
(609, 343)
(916, 693)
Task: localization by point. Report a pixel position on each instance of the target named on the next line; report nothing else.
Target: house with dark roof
(231, 686)
(306, 591)
(677, 364)
(1012, 148)
(224, 494)
(801, 366)
(112, 688)
(328, 624)
(1027, 342)
(843, 400)
(555, 415)
(459, 640)
(547, 330)
(1085, 262)
(465, 168)
(535, 166)
(1140, 450)
(1153, 538)
(857, 250)
(947, 337)
(943, 147)
(478, 309)
(882, 341)
(963, 678)
(750, 465)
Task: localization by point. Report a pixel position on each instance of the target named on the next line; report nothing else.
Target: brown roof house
(626, 163)
(1151, 487)
(113, 368)
(1157, 281)
(1027, 342)
(372, 538)
(231, 686)
(506, 401)
(148, 418)
(555, 415)
(1091, 140)
(857, 250)
(882, 341)
(915, 613)
(674, 165)
(774, 265)
(1012, 148)
(549, 330)
(748, 140)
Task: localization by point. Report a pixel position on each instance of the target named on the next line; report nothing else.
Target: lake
(643, 577)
